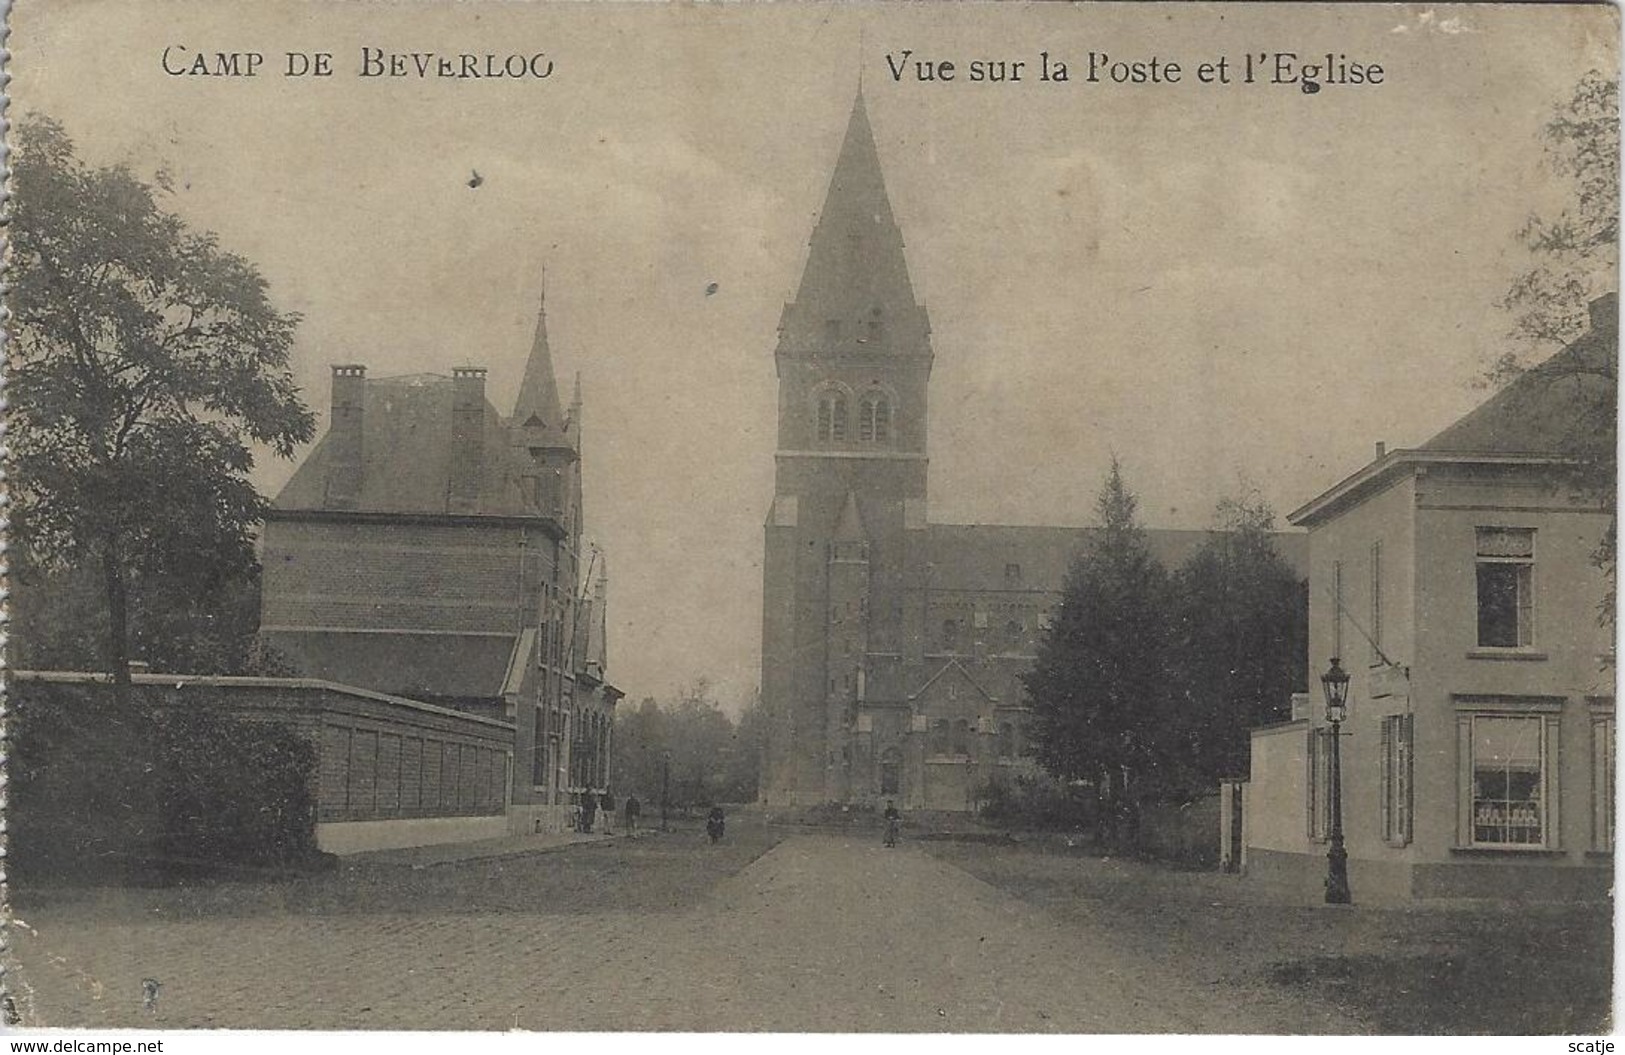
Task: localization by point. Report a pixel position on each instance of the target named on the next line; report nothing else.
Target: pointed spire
(850, 527)
(572, 418)
(537, 407)
(855, 293)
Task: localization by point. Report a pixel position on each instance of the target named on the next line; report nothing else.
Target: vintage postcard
(811, 517)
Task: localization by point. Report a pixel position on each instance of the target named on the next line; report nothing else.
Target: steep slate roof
(404, 663)
(1536, 413)
(537, 408)
(406, 451)
(973, 556)
(855, 268)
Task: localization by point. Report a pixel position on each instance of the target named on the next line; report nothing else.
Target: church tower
(853, 359)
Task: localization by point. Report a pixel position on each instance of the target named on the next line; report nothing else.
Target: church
(892, 647)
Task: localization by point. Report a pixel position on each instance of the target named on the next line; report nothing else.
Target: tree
(1575, 253)
(1098, 685)
(1574, 258)
(1238, 645)
(707, 756)
(147, 363)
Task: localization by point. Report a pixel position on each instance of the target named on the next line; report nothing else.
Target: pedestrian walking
(634, 810)
(589, 809)
(715, 824)
(609, 813)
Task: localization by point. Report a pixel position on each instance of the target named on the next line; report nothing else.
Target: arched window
(831, 416)
(874, 419)
(961, 743)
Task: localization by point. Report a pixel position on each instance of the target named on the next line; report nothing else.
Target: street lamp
(1336, 683)
(665, 785)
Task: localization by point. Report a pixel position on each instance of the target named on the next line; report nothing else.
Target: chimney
(344, 450)
(1382, 449)
(467, 439)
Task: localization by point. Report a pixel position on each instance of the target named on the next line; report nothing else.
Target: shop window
(1398, 731)
(1509, 803)
(1506, 603)
(1602, 782)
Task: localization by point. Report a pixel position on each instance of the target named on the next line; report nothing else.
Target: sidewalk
(473, 850)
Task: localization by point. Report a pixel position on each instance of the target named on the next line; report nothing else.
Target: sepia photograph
(810, 518)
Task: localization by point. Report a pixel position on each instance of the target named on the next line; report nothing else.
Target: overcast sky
(1216, 282)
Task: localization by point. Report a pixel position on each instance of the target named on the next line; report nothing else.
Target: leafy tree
(147, 363)
(1574, 257)
(689, 746)
(1575, 253)
(1097, 687)
(1238, 642)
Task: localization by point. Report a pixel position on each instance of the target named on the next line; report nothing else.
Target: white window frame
(1547, 712)
(1524, 605)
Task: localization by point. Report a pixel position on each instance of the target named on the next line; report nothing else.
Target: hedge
(150, 792)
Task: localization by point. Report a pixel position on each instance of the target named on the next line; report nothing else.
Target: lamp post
(1336, 683)
(665, 785)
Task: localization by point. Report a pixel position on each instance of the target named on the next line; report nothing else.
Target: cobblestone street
(820, 933)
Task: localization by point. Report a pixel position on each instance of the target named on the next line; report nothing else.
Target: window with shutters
(1398, 769)
(1506, 599)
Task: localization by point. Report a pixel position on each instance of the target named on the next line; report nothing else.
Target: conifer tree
(1097, 687)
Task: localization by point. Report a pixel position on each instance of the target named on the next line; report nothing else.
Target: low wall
(381, 760)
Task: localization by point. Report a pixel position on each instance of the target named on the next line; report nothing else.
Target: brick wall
(370, 574)
(378, 757)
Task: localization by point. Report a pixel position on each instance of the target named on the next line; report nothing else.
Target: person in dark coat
(715, 823)
(634, 810)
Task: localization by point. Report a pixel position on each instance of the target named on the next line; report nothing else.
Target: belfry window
(874, 419)
(831, 417)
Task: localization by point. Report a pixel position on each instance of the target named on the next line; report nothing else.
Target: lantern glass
(1336, 683)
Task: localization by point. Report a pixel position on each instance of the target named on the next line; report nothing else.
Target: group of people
(592, 805)
(715, 822)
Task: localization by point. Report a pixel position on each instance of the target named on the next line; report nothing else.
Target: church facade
(892, 648)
